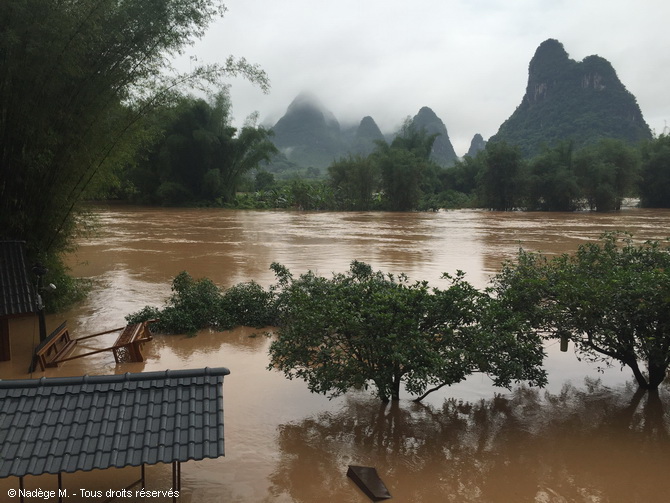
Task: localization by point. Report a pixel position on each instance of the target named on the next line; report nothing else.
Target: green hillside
(569, 100)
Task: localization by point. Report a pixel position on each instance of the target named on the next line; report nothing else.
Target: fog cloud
(467, 60)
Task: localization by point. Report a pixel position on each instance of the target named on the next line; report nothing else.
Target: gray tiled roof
(16, 293)
(67, 424)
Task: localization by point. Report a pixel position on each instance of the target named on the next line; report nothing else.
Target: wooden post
(42, 320)
(5, 349)
(176, 480)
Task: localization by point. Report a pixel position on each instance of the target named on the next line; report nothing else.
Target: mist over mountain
(309, 135)
(565, 99)
(443, 151)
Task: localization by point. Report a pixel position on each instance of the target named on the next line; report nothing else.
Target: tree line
(185, 168)
(371, 329)
(199, 159)
(597, 177)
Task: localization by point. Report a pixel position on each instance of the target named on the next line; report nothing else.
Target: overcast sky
(465, 59)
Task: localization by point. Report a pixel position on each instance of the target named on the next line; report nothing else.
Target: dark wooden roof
(16, 292)
(68, 424)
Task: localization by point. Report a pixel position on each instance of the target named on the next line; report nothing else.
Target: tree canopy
(199, 157)
(655, 173)
(366, 327)
(612, 299)
(355, 179)
(76, 80)
(607, 172)
(394, 176)
(501, 181)
(552, 183)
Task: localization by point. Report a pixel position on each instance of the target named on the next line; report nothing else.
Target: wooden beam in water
(368, 480)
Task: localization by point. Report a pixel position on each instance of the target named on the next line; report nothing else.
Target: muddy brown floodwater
(587, 437)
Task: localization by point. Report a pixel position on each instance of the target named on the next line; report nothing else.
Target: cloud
(467, 60)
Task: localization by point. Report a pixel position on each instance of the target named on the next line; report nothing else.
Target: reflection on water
(526, 446)
(578, 441)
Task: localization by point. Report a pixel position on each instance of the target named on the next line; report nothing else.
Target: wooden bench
(56, 347)
(127, 347)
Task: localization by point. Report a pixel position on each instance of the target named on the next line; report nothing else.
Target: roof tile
(53, 425)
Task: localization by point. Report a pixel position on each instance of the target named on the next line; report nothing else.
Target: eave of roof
(16, 292)
(68, 424)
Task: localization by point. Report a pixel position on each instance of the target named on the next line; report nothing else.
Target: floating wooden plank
(368, 480)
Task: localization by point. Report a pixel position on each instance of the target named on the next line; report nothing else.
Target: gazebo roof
(68, 424)
(16, 293)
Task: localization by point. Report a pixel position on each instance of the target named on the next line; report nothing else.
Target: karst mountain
(569, 100)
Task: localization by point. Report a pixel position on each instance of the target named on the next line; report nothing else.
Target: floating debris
(368, 480)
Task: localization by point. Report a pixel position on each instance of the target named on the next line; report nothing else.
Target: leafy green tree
(405, 167)
(415, 140)
(463, 175)
(369, 327)
(197, 304)
(243, 153)
(401, 173)
(201, 154)
(310, 195)
(77, 80)
(612, 299)
(355, 179)
(186, 157)
(500, 183)
(655, 173)
(263, 180)
(608, 172)
(552, 182)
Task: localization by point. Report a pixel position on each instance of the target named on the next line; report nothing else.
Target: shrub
(193, 305)
(198, 304)
(250, 305)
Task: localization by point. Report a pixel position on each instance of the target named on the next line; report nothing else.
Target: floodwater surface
(590, 436)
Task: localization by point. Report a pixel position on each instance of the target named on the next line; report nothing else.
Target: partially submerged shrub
(198, 304)
(193, 305)
(248, 304)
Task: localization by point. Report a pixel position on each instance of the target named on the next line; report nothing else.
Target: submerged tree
(355, 179)
(607, 171)
(405, 166)
(367, 327)
(612, 299)
(552, 182)
(501, 182)
(655, 173)
(197, 304)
